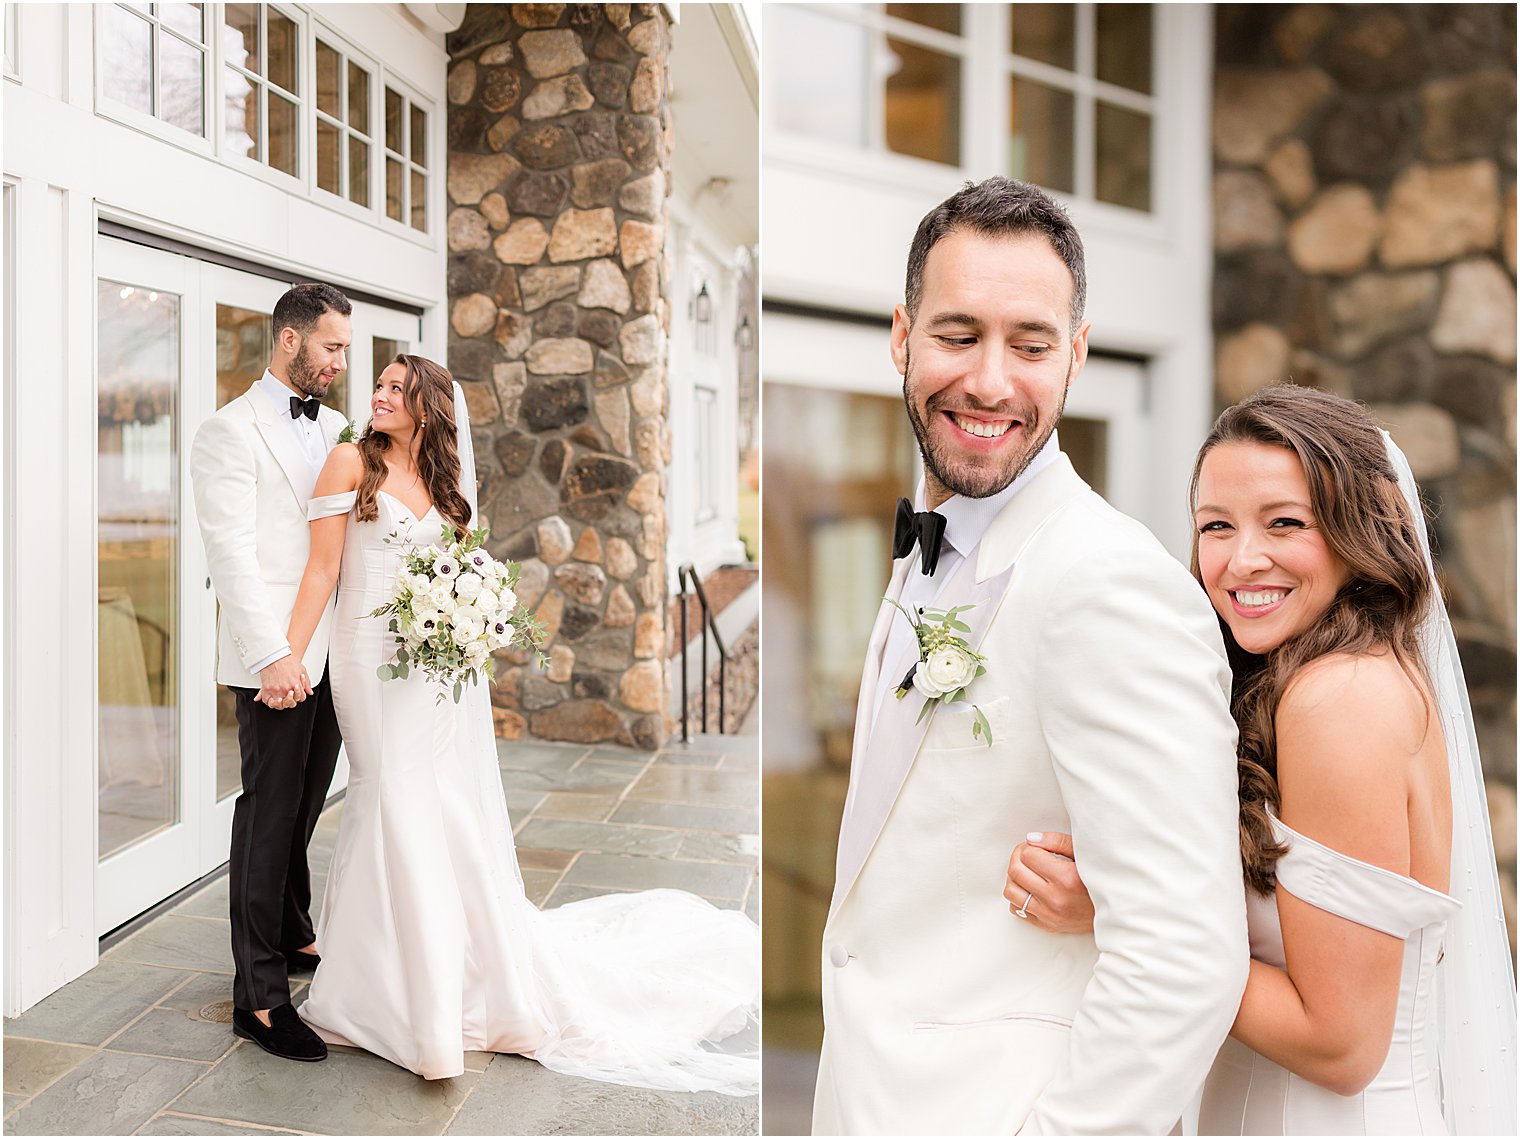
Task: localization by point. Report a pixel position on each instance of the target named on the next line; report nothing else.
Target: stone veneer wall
(559, 139)
(1364, 198)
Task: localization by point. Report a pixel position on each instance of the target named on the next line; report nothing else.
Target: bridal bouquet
(454, 606)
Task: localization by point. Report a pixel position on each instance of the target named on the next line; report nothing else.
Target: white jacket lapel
(282, 442)
(332, 424)
(893, 743)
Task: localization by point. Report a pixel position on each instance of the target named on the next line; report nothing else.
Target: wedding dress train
(430, 947)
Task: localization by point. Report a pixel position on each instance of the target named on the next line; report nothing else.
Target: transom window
(343, 125)
(1057, 94)
(1079, 99)
(12, 30)
(405, 160)
(153, 60)
(880, 76)
(313, 113)
(261, 95)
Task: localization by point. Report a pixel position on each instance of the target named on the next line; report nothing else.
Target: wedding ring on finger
(1023, 910)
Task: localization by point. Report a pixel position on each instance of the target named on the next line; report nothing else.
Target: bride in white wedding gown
(429, 945)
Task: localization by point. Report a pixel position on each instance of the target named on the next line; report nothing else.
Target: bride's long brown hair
(1366, 523)
(428, 395)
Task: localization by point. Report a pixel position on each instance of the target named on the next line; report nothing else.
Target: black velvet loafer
(297, 961)
(286, 1037)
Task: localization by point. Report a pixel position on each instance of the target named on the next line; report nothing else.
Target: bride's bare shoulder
(1368, 691)
(1351, 731)
(342, 471)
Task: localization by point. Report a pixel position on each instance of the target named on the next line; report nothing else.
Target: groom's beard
(977, 479)
(304, 376)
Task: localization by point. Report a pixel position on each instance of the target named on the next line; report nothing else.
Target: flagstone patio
(134, 1046)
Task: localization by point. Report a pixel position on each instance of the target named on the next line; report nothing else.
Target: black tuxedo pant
(288, 760)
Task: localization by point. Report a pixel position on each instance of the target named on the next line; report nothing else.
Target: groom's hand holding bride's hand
(1044, 884)
(284, 684)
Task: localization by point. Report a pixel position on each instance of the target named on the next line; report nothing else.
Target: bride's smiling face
(1262, 557)
(387, 405)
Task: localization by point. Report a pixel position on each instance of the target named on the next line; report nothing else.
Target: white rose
(477, 653)
(947, 669)
(444, 602)
(468, 623)
(487, 602)
(468, 587)
(420, 583)
(506, 602)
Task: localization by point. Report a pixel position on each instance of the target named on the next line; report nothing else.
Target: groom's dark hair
(301, 307)
(1000, 207)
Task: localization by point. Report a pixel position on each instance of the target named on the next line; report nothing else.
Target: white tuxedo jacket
(251, 484)
(1107, 691)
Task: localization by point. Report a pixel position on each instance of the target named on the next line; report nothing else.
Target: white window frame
(987, 67)
(1082, 83)
(411, 97)
(13, 42)
(306, 148)
(706, 407)
(904, 168)
(309, 28)
(348, 53)
(129, 116)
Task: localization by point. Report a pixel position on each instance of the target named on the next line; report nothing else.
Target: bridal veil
(1474, 1009)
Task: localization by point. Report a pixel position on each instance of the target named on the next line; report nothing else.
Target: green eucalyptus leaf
(981, 726)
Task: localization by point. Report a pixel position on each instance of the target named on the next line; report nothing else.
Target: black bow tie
(306, 407)
(923, 528)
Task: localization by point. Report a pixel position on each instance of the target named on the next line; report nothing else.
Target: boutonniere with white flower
(946, 665)
(348, 434)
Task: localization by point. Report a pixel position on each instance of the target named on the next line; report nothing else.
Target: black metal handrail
(708, 623)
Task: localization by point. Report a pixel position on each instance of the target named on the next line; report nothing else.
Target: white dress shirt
(966, 520)
(309, 433)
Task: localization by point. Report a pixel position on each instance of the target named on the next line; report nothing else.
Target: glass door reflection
(137, 553)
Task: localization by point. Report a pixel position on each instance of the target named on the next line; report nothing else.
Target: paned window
(262, 86)
(153, 60)
(344, 138)
(1080, 102)
(12, 31)
(406, 171)
(880, 76)
(709, 478)
(1061, 95)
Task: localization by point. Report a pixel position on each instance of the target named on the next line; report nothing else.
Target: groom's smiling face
(987, 358)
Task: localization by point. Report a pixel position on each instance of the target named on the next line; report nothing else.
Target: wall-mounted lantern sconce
(744, 335)
(701, 306)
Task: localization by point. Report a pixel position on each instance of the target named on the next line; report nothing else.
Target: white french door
(176, 339)
(154, 611)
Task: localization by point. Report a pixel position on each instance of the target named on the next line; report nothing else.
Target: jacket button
(838, 957)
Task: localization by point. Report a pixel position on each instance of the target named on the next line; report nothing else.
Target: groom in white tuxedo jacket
(1107, 694)
(253, 466)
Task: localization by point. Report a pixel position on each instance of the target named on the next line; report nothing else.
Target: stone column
(559, 139)
(1364, 194)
